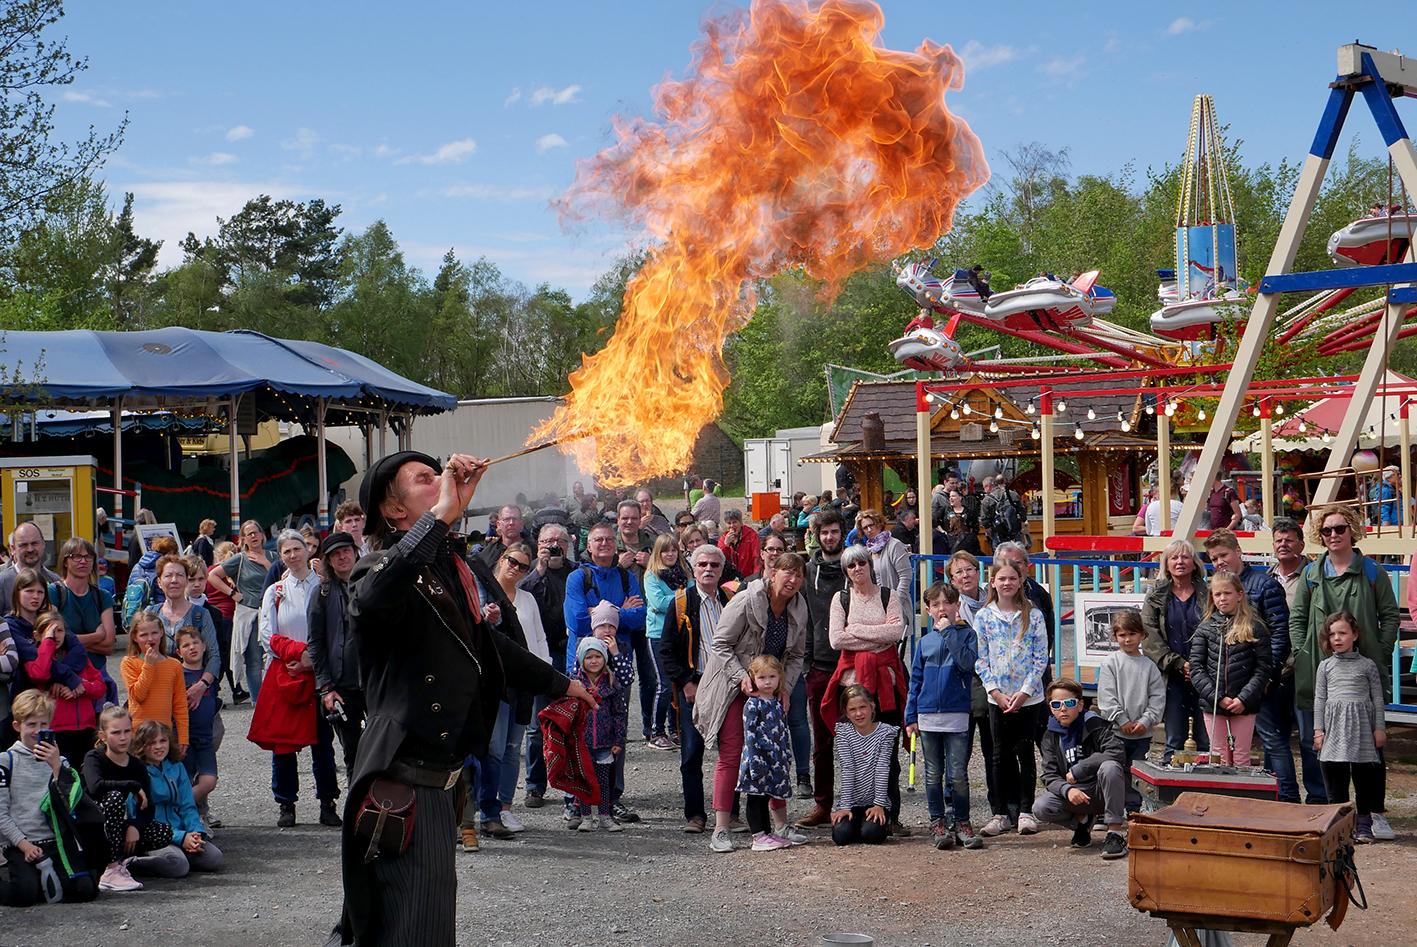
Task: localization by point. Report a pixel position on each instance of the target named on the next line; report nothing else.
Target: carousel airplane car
(927, 349)
(1046, 302)
(1167, 291)
(1194, 319)
(930, 292)
(1366, 241)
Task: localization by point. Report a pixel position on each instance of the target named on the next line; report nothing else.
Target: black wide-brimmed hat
(376, 486)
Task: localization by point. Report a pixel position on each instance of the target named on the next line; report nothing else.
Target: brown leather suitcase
(1225, 856)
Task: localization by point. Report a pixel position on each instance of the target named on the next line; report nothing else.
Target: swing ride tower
(1378, 78)
(1205, 211)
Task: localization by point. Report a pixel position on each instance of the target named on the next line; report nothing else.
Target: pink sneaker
(116, 878)
(769, 842)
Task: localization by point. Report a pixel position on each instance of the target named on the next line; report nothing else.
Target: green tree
(383, 308)
(294, 242)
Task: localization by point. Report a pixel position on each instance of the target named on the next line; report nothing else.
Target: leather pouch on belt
(385, 819)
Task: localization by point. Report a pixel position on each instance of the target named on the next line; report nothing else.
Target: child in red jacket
(74, 717)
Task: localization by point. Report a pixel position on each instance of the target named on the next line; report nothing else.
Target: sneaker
(1027, 824)
(571, 813)
(1382, 831)
(116, 878)
(328, 815)
(674, 739)
(1082, 834)
(497, 829)
(590, 823)
(1363, 832)
(941, 835)
(721, 841)
(574, 823)
(768, 842)
(998, 825)
(804, 788)
(695, 826)
(895, 828)
(792, 835)
(287, 816)
(469, 839)
(512, 823)
(533, 800)
(661, 742)
(737, 826)
(965, 833)
(1114, 846)
(624, 813)
(239, 696)
(611, 825)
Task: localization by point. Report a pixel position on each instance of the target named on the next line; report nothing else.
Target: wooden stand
(1187, 928)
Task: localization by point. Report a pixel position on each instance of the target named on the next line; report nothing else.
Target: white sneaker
(721, 841)
(116, 878)
(590, 823)
(998, 825)
(792, 834)
(1382, 830)
(610, 825)
(1027, 824)
(511, 823)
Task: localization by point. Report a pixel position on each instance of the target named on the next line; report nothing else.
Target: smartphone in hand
(47, 736)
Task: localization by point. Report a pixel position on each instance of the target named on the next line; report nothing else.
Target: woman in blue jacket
(937, 711)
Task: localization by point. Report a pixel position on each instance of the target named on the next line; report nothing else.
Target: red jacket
(76, 714)
(880, 672)
(746, 556)
(284, 721)
(568, 763)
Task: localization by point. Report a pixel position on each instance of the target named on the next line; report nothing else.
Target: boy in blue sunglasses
(1084, 770)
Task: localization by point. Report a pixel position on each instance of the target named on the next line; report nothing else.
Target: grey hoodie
(20, 795)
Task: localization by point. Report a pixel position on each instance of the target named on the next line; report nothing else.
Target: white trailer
(775, 463)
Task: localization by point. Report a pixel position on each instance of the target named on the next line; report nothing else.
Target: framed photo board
(1092, 623)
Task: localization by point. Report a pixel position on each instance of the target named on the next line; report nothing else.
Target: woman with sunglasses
(1341, 579)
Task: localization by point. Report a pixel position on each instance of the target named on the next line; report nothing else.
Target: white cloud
(1184, 24)
(169, 210)
(303, 143)
(86, 98)
(239, 132)
(498, 192)
(216, 158)
(546, 142)
(978, 56)
(512, 98)
(453, 152)
(384, 151)
(1060, 68)
(566, 96)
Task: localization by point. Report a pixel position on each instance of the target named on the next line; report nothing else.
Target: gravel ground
(653, 884)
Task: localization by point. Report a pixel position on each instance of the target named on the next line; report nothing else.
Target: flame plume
(795, 141)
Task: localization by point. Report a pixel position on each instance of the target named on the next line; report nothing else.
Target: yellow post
(1163, 465)
(1267, 462)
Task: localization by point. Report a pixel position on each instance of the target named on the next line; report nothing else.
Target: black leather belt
(415, 775)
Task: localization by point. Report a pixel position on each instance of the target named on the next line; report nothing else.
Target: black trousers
(416, 894)
(980, 726)
(1015, 769)
(1368, 784)
(857, 829)
(895, 718)
(350, 729)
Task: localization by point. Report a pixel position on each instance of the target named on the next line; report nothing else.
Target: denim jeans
(691, 760)
(1315, 792)
(1182, 708)
(946, 773)
(649, 680)
(1275, 726)
(535, 756)
(1137, 748)
(801, 729)
(503, 753)
(285, 778)
(664, 715)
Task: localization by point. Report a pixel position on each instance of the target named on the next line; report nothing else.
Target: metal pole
(922, 488)
(383, 432)
(321, 474)
(233, 448)
(118, 473)
(1163, 465)
(1045, 411)
(1267, 462)
(1404, 516)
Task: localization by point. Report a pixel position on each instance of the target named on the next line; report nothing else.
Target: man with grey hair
(652, 518)
(26, 552)
(684, 648)
(547, 584)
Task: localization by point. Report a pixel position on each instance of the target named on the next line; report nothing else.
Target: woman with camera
(547, 584)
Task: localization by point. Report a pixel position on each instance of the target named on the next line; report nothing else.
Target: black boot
(287, 816)
(328, 815)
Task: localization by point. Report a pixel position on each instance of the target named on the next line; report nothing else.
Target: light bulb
(1200, 415)
(1303, 428)
(1170, 410)
(1279, 410)
(929, 397)
(1091, 415)
(998, 412)
(1037, 434)
(1126, 426)
(1029, 409)
(1077, 432)
(1256, 411)
(1150, 410)
(968, 409)
(1062, 406)
(1326, 438)
(954, 414)
(993, 426)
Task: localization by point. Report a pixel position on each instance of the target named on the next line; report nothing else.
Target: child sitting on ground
(112, 778)
(1084, 770)
(190, 847)
(42, 864)
(156, 689)
(607, 674)
(864, 748)
(765, 770)
(937, 713)
(1131, 693)
(200, 759)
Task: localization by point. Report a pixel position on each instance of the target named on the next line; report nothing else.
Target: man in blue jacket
(1276, 719)
(604, 580)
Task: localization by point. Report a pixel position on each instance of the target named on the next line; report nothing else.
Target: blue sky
(457, 122)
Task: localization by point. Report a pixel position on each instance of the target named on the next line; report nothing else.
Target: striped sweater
(865, 764)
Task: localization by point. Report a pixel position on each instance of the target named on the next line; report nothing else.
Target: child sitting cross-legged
(1084, 770)
(53, 851)
(189, 846)
(118, 782)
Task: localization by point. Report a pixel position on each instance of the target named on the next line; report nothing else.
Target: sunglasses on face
(1069, 703)
(516, 563)
(1337, 530)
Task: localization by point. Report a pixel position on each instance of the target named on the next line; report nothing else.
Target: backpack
(136, 597)
(588, 581)
(1008, 517)
(1370, 572)
(844, 596)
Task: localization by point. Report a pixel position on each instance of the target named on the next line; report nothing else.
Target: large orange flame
(795, 141)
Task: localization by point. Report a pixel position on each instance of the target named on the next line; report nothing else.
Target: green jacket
(1365, 590)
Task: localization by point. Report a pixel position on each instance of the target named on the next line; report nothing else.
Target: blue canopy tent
(220, 376)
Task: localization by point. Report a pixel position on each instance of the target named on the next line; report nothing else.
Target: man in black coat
(547, 584)
(434, 673)
(331, 650)
(825, 578)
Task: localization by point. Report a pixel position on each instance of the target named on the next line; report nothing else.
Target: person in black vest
(331, 651)
(434, 673)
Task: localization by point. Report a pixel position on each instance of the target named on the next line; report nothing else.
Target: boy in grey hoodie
(1131, 692)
